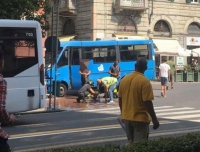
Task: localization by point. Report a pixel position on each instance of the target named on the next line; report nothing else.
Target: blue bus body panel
(98, 43)
(132, 42)
(70, 44)
(98, 70)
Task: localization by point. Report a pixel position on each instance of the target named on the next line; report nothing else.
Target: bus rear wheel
(63, 90)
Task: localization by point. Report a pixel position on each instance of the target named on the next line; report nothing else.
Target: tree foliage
(29, 9)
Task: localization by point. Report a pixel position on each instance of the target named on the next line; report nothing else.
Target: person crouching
(85, 90)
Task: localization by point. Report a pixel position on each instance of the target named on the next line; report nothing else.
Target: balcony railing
(69, 4)
(131, 4)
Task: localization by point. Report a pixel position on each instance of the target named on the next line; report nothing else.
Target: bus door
(74, 67)
(63, 68)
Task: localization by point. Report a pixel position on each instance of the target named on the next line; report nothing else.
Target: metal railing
(67, 3)
(130, 3)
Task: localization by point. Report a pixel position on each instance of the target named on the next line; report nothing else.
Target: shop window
(132, 52)
(100, 54)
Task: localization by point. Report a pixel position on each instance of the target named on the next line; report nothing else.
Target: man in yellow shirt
(109, 83)
(135, 101)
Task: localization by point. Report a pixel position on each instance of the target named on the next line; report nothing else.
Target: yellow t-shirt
(134, 90)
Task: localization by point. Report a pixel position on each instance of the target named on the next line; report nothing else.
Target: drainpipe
(105, 19)
(151, 12)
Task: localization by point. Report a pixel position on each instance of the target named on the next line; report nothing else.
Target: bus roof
(18, 23)
(104, 42)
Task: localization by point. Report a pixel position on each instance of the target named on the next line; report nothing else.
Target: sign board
(180, 61)
(48, 44)
(193, 41)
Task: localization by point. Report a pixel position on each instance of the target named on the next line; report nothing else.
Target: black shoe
(78, 100)
(95, 97)
(162, 94)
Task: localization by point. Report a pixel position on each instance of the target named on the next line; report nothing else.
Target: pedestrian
(114, 70)
(135, 102)
(109, 84)
(84, 75)
(172, 72)
(194, 65)
(5, 117)
(85, 90)
(164, 75)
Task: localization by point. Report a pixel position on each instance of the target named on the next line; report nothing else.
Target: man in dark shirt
(114, 70)
(85, 90)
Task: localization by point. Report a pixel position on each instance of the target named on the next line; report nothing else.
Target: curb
(38, 112)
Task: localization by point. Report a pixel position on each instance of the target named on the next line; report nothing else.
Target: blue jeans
(111, 88)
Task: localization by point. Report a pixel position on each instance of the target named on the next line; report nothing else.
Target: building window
(194, 28)
(194, 1)
(126, 25)
(69, 27)
(193, 33)
(162, 29)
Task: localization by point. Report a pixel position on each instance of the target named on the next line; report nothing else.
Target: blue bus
(98, 56)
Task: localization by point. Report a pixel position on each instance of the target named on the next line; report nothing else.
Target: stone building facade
(91, 19)
(154, 19)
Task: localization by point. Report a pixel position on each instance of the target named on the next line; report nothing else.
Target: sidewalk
(69, 104)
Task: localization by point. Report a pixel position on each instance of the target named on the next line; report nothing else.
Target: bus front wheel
(63, 90)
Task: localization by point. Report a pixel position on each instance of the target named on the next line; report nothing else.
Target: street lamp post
(57, 3)
(54, 3)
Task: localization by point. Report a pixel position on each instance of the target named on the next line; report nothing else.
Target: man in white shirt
(164, 74)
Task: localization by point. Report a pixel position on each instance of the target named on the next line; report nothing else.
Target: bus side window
(75, 56)
(63, 60)
(100, 54)
(132, 52)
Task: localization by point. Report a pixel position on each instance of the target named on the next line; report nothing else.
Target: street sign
(51, 43)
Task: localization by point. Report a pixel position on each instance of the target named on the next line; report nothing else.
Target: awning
(169, 47)
(131, 37)
(66, 38)
(196, 52)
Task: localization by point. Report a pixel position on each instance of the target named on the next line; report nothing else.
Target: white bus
(21, 42)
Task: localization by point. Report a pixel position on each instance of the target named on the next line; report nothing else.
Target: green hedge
(186, 143)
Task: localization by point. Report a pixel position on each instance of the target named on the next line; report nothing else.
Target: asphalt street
(178, 113)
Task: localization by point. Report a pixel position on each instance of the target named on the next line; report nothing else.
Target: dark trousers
(82, 95)
(4, 147)
(136, 131)
(84, 80)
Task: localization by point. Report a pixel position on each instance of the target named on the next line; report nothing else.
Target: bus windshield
(20, 50)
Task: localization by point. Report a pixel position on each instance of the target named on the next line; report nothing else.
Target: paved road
(179, 113)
